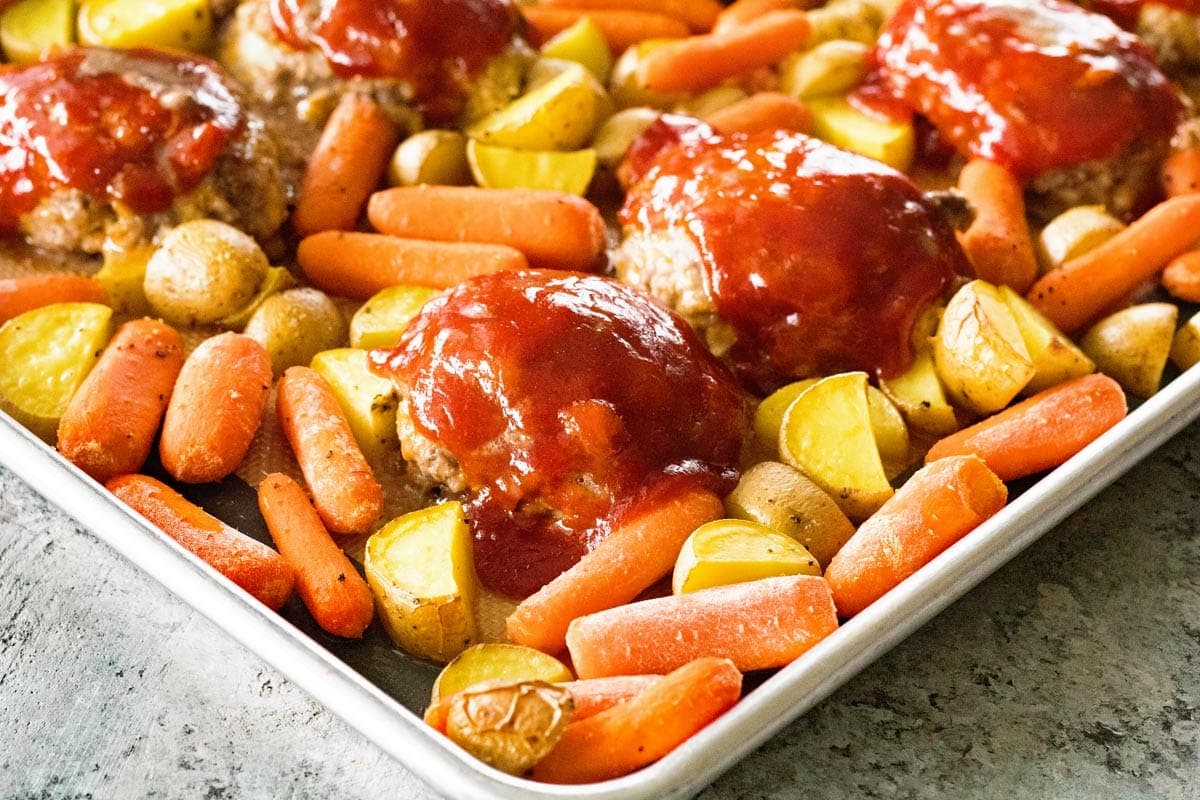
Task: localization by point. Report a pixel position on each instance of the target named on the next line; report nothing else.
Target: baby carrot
(621, 27)
(345, 492)
(594, 695)
(1180, 172)
(109, 425)
(1042, 432)
(18, 295)
(216, 408)
(631, 558)
(360, 265)
(762, 111)
(744, 11)
(998, 243)
(698, 14)
(554, 230)
(937, 506)
(248, 563)
(701, 62)
(1181, 278)
(332, 590)
(758, 625)
(631, 735)
(346, 165)
(1086, 286)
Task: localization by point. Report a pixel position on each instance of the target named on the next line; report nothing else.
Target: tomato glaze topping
(566, 400)
(1035, 85)
(135, 126)
(820, 259)
(434, 45)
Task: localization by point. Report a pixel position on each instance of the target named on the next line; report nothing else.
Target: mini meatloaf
(113, 145)
(554, 403)
(1076, 107)
(792, 258)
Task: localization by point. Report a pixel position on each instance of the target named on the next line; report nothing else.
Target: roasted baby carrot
(554, 230)
(621, 27)
(743, 11)
(631, 735)
(1181, 278)
(760, 112)
(248, 563)
(18, 295)
(594, 695)
(1180, 172)
(758, 625)
(360, 265)
(698, 14)
(701, 62)
(346, 165)
(937, 506)
(1042, 432)
(216, 408)
(998, 243)
(332, 590)
(638, 552)
(1082, 289)
(109, 425)
(345, 492)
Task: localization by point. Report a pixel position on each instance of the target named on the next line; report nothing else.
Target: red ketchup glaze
(1036, 85)
(566, 399)
(135, 126)
(437, 46)
(820, 259)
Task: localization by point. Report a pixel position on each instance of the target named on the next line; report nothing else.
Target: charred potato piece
(510, 726)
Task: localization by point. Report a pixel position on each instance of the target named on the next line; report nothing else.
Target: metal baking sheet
(379, 691)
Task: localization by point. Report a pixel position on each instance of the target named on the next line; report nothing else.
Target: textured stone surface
(1072, 673)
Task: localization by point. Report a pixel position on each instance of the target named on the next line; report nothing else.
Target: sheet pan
(378, 690)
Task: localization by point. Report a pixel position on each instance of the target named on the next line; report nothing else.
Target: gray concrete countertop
(1074, 672)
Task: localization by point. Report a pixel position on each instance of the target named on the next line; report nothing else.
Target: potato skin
(510, 726)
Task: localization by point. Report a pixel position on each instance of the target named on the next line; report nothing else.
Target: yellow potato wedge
(420, 569)
(785, 500)
(496, 661)
(768, 416)
(584, 44)
(891, 433)
(44, 356)
(618, 132)
(1132, 345)
(558, 114)
(508, 168)
(1185, 348)
(845, 20)
(166, 24)
(827, 434)
(1055, 357)
(979, 351)
(711, 101)
(838, 122)
(368, 401)
(1073, 233)
(382, 320)
(735, 551)
(122, 276)
(31, 27)
(432, 156)
(832, 67)
(510, 726)
(919, 396)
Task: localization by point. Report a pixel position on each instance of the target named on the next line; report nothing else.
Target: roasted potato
(618, 132)
(560, 113)
(1132, 345)
(508, 168)
(510, 726)
(431, 156)
(1055, 357)
(625, 88)
(1074, 232)
(122, 276)
(368, 401)
(30, 27)
(735, 551)
(785, 500)
(582, 43)
(381, 321)
(495, 661)
(1185, 348)
(838, 122)
(918, 394)
(421, 571)
(295, 325)
(891, 434)
(832, 67)
(167, 24)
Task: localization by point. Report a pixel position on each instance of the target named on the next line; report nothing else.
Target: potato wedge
(768, 416)
(625, 88)
(508, 168)
(838, 122)
(368, 401)
(919, 396)
(122, 276)
(614, 137)
(891, 433)
(584, 44)
(832, 67)
(421, 570)
(44, 356)
(1185, 348)
(496, 661)
(785, 500)
(510, 726)
(295, 325)
(167, 24)
(1074, 232)
(735, 551)
(979, 352)
(559, 114)
(31, 27)
(827, 434)
(382, 320)
(1055, 357)
(706, 103)
(1132, 345)
(431, 156)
